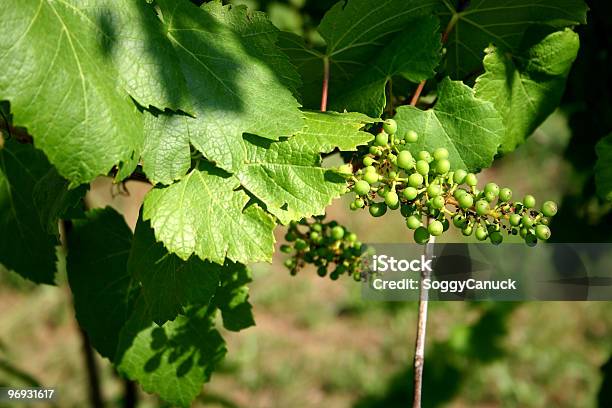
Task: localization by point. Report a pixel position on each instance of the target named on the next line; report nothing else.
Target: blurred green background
(316, 344)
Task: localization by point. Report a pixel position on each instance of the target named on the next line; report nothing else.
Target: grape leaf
(603, 168)
(204, 214)
(414, 53)
(527, 86)
(63, 88)
(172, 360)
(501, 23)
(471, 129)
(355, 32)
(237, 78)
(325, 131)
(102, 288)
(286, 176)
(232, 297)
(25, 244)
(168, 282)
(166, 154)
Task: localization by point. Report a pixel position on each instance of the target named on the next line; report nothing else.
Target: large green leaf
(102, 288)
(470, 128)
(238, 79)
(172, 360)
(603, 168)
(64, 89)
(287, 177)
(205, 214)
(414, 53)
(27, 245)
(355, 33)
(526, 87)
(501, 23)
(168, 282)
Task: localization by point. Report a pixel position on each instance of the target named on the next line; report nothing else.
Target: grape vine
(222, 114)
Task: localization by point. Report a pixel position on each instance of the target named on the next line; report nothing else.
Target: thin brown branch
(417, 93)
(325, 84)
(419, 347)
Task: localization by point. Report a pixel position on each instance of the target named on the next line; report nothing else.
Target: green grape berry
(300, 244)
(471, 179)
(405, 160)
(415, 180)
(362, 187)
(413, 222)
(438, 202)
(459, 220)
(411, 137)
(549, 208)
(440, 153)
(317, 227)
(382, 139)
(337, 233)
(529, 201)
(286, 249)
(359, 203)
(322, 271)
(491, 188)
(542, 232)
(378, 209)
(505, 194)
(442, 166)
(465, 201)
(290, 236)
(527, 221)
(392, 199)
(434, 190)
(515, 220)
(421, 235)
(422, 167)
(424, 155)
(435, 228)
(390, 126)
(459, 192)
(481, 233)
(368, 161)
(314, 235)
(482, 207)
(496, 237)
(409, 193)
(467, 230)
(352, 237)
(459, 176)
(371, 177)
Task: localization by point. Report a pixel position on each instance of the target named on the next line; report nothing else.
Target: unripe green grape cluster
(330, 247)
(431, 196)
